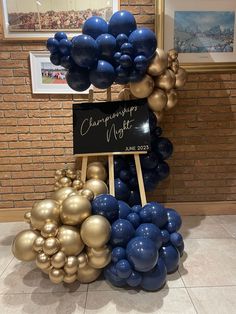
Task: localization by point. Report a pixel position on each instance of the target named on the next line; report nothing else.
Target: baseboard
(185, 209)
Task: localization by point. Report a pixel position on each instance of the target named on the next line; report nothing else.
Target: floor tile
(202, 227)
(5, 257)
(217, 300)
(228, 222)
(209, 262)
(24, 277)
(129, 301)
(58, 303)
(9, 230)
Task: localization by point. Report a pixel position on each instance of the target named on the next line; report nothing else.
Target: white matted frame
(47, 78)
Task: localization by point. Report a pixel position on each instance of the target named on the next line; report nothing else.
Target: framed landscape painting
(203, 32)
(40, 19)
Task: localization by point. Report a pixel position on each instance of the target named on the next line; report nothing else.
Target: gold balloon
(158, 64)
(56, 275)
(69, 237)
(74, 210)
(82, 260)
(99, 258)
(50, 229)
(172, 54)
(125, 94)
(70, 174)
(71, 265)
(157, 100)
(95, 231)
(70, 278)
(96, 186)
(58, 260)
(181, 78)
(51, 246)
(143, 88)
(88, 274)
(61, 194)
(77, 184)
(86, 193)
(78, 174)
(43, 261)
(172, 99)
(159, 115)
(27, 217)
(175, 66)
(47, 270)
(65, 181)
(44, 211)
(166, 80)
(38, 244)
(22, 246)
(96, 170)
(60, 172)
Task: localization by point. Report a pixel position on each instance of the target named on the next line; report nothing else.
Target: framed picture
(203, 32)
(40, 19)
(47, 78)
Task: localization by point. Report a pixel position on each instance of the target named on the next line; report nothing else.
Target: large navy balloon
(158, 214)
(156, 278)
(124, 209)
(95, 26)
(103, 75)
(78, 79)
(123, 269)
(150, 231)
(106, 46)
(174, 221)
(65, 47)
(117, 254)
(122, 22)
(149, 161)
(107, 206)
(170, 256)
(52, 45)
(110, 274)
(121, 232)
(55, 58)
(122, 190)
(144, 42)
(163, 147)
(84, 51)
(162, 170)
(134, 279)
(60, 35)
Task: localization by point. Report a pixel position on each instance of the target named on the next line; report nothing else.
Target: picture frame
(41, 19)
(47, 78)
(203, 33)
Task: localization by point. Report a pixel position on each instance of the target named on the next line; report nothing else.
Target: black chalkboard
(120, 126)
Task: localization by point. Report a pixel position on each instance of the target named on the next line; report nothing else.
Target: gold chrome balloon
(38, 244)
(166, 80)
(65, 181)
(27, 217)
(44, 211)
(125, 94)
(175, 66)
(96, 186)
(56, 275)
(58, 260)
(157, 100)
(22, 246)
(70, 174)
(50, 229)
(51, 246)
(172, 54)
(158, 64)
(74, 210)
(70, 278)
(95, 231)
(61, 194)
(69, 237)
(43, 261)
(181, 78)
(71, 265)
(82, 260)
(60, 172)
(78, 174)
(86, 193)
(98, 258)
(143, 88)
(77, 184)
(172, 99)
(88, 274)
(47, 270)
(96, 170)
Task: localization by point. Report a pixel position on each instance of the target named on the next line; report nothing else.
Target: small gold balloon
(172, 97)
(58, 260)
(96, 186)
(65, 181)
(56, 275)
(143, 88)
(88, 274)
(27, 217)
(98, 258)
(57, 185)
(50, 229)
(158, 64)
(22, 246)
(44, 211)
(74, 210)
(47, 270)
(77, 184)
(78, 174)
(70, 278)
(69, 237)
(181, 78)
(38, 244)
(61, 194)
(43, 260)
(172, 54)
(166, 80)
(96, 170)
(125, 94)
(175, 66)
(60, 172)
(51, 246)
(95, 231)
(87, 194)
(71, 265)
(70, 174)
(82, 260)
(157, 100)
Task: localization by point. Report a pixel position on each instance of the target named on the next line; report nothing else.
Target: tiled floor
(205, 283)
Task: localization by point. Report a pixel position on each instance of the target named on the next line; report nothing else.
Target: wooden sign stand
(111, 163)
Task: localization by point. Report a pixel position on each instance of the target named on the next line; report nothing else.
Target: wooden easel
(111, 162)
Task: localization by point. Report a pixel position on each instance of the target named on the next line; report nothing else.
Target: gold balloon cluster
(68, 177)
(65, 240)
(164, 76)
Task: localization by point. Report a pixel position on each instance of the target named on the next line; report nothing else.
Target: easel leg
(111, 174)
(140, 179)
(84, 168)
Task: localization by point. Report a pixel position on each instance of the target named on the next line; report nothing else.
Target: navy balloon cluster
(105, 52)
(146, 245)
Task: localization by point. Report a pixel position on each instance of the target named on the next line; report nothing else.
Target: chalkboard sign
(108, 127)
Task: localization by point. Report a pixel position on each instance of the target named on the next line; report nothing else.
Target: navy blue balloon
(117, 254)
(158, 213)
(122, 191)
(67, 62)
(123, 269)
(60, 35)
(122, 72)
(142, 253)
(134, 279)
(121, 232)
(132, 169)
(176, 239)
(126, 61)
(110, 274)
(157, 132)
(150, 179)
(146, 214)
(121, 39)
(52, 45)
(106, 46)
(144, 42)
(103, 75)
(134, 198)
(136, 208)
(78, 79)
(55, 58)
(84, 51)
(65, 47)
(140, 62)
(95, 26)
(124, 209)
(122, 80)
(117, 56)
(127, 49)
(150, 231)
(165, 236)
(149, 160)
(119, 164)
(135, 76)
(170, 256)
(156, 278)
(162, 170)
(125, 175)
(134, 219)
(163, 147)
(174, 221)
(122, 22)
(107, 206)
(180, 249)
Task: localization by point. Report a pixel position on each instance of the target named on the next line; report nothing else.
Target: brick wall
(36, 131)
